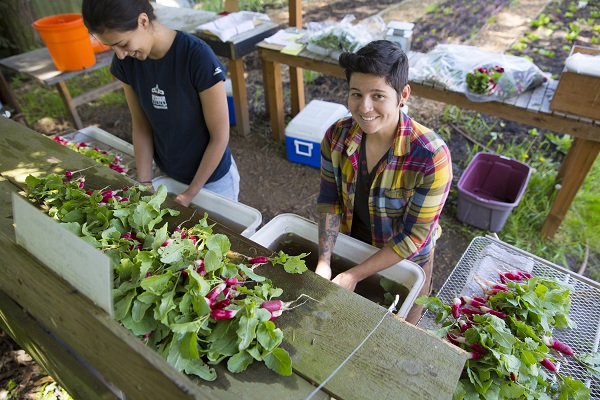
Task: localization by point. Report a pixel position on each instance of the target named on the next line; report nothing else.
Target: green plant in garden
(541, 20)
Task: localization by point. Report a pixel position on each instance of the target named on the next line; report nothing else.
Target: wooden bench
(530, 108)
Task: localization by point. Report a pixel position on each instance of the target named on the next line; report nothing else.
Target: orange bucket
(67, 40)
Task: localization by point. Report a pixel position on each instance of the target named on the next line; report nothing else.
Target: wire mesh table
(585, 300)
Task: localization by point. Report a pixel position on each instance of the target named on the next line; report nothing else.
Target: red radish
(548, 364)
(200, 267)
(68, 174)
(223, 314)
(471, 311)
(456, 303)
(167, 242)
(272, 305)
(557, 345)
(219, 305)
(479, 348)
(232, 281)
(464, 325)
(258, 260)
(211, 297)
(275, 314)
(472, 302)
(474, 355)
(126, 235)
(498, 314)
(513, 377)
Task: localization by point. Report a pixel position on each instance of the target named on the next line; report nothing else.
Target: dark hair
(119, 15)
(380, 58)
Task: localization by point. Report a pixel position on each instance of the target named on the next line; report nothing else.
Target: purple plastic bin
(491, 186)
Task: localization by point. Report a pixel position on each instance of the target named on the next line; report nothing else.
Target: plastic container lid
(314, 120)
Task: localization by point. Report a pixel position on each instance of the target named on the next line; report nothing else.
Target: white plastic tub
(405, 273)
(238, 217)
(93, 133)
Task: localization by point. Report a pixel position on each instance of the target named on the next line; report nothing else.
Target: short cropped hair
(380, 58)
(119, 15)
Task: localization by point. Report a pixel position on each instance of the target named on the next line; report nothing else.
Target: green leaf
(246, 331)
(166, 305)
(199, 368)
(188, 347)
(187, 327)
(591, 362)
(174, 252)
(123, 306)
(279, 361)
(295, 264)
(269, 336)
(435, 305)
(73, 227)
(157, 284)
(239, 361)
(212, 261)
(251, 274)
(511, 390)
(158, 198)
(218, 243)
(143, 327)
(139, 310)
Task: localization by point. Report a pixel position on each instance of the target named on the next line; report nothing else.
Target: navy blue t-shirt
(168, 89)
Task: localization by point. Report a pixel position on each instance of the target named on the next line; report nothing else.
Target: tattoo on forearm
(329, 227)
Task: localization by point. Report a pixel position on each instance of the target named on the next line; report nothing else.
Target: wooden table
(47, 316)
(531, 108)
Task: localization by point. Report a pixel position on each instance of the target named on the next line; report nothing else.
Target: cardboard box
(578, 94)
(304, 133)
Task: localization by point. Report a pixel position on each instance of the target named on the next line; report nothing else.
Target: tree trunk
(16, 33)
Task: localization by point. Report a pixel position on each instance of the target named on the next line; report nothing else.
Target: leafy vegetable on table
(184, 293)
(508, 334)
(104, 157)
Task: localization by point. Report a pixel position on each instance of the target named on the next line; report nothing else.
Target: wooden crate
(577, 93)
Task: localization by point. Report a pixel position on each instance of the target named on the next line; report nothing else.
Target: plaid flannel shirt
(407, 195)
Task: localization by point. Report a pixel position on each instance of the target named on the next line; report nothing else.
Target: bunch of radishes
(184, 293)
(104, 157)
(507, 333)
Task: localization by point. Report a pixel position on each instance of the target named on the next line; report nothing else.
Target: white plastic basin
(238, 217)
(405, 273)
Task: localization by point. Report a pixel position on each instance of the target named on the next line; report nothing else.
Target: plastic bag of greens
(480, 74)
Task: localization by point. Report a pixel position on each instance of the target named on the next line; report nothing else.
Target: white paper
(79, 263)
(283, 38)
(233, 24)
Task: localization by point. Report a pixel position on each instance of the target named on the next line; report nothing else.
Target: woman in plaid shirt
(384, 177)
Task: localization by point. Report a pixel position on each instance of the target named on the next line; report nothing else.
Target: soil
(273, 185)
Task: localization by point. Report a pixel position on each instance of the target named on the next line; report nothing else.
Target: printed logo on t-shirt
(218, 70)
(158, 98)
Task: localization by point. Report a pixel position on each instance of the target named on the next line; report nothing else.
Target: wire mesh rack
(585, 300)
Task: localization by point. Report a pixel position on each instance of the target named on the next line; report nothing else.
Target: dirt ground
(274, 185)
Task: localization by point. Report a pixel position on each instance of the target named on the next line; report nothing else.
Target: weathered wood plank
(54, 358)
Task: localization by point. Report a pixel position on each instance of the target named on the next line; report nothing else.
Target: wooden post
(71, 108)
(585, 152)
(240, 96)
(295, 11)
(273, 86)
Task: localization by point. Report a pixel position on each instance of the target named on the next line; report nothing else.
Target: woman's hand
(346, 280)
(184, 199)
(323, 269)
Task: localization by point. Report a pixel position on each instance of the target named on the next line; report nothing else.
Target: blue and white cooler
(305, 131)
